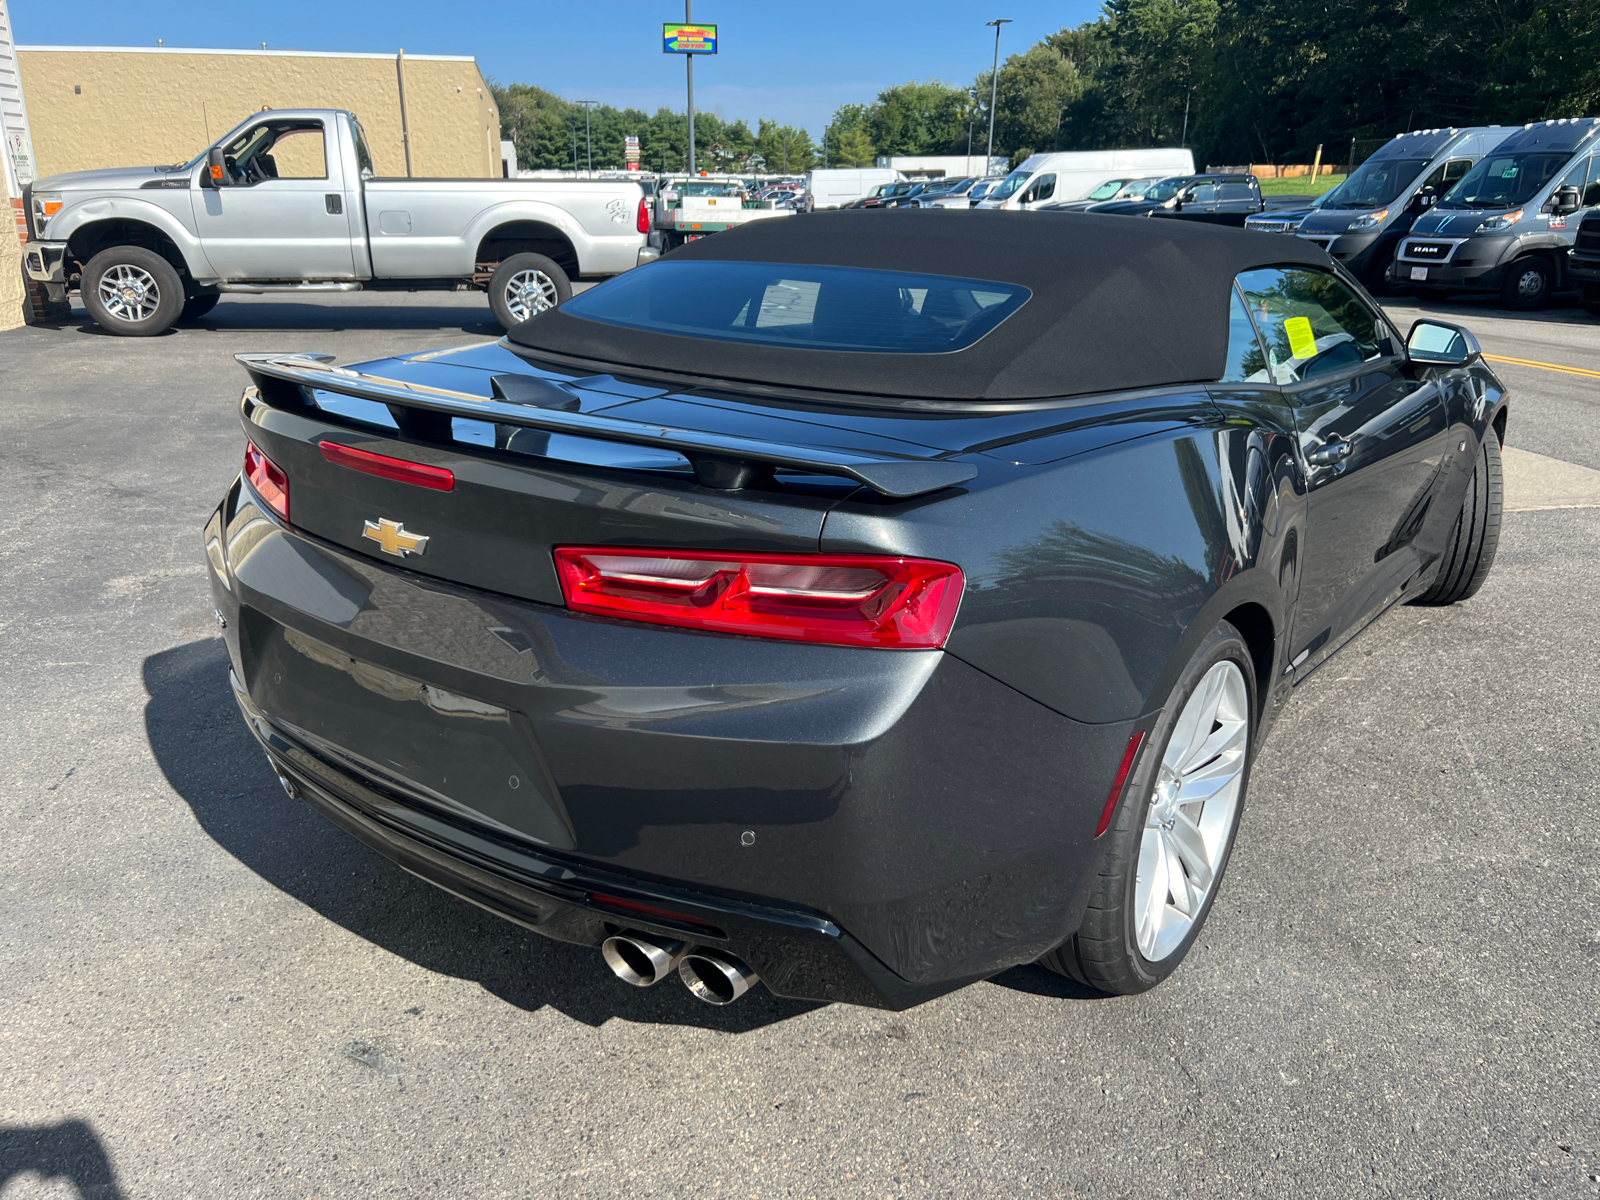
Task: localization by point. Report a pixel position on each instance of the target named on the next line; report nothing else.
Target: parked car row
(1486, 210)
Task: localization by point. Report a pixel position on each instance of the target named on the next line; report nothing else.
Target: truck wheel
(131, 291)
(199, 305)
(526, 284)
(1527, 285)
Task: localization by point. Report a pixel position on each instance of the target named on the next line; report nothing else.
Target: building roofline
(263, 53)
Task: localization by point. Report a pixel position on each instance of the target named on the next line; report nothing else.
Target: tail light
(268, 480)
(403, 470)
(643, 222)
(831, 599)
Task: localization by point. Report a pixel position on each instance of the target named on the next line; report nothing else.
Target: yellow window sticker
(1302, 342)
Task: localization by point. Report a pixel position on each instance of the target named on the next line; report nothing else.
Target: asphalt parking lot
(207, 990)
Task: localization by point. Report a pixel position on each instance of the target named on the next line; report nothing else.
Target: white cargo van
(1073, 174)
(837, 188)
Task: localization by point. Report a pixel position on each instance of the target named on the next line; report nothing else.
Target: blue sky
(793, 61)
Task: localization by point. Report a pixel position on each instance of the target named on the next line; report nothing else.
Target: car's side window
(1312, 323)
(1591, 186)
(1044, 187)
(1246, 361)
(1203, 193)
(1236, 191)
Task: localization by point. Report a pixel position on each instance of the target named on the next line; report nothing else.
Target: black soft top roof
(1118, 302)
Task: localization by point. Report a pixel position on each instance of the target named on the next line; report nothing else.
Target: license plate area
(1419, 273)
(459, 756)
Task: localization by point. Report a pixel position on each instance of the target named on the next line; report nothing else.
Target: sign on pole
(689, 39)
(630, 152)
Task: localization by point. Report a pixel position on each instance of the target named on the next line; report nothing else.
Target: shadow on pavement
(1562, 310)
(70, 1150)
(210, 760)
(294, 316)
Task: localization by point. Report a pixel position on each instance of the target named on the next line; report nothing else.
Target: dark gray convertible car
(862, 603)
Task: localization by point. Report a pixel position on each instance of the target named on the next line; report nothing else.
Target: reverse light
(829, 599)
(267, 479)
(1368, 220)
(1503, 221)
(642, 223)
(402, 470)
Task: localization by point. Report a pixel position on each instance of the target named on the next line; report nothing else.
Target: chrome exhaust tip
(641, 959)
(284, 781)
(715, 977)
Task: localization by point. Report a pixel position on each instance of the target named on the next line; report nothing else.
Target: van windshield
(1504, 180)
(1375, 183)
(1009, 185)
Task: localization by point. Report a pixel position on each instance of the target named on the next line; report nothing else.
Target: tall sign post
(630, 152)
(994, 88)
(688, 40)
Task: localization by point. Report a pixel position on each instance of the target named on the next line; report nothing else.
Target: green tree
(1036, 89)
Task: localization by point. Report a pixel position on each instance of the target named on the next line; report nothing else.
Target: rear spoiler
(720, 460)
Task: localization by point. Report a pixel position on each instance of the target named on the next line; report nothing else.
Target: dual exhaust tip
(643, 959)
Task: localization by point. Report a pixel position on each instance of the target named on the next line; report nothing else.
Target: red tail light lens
(400, 469)
(268, 480)
(643, 223)
(833, 599)
(1117, 784)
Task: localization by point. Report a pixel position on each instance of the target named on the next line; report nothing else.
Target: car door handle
(1335, 449)
(334, 202)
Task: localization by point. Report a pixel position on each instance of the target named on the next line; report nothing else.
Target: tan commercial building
(106, 106)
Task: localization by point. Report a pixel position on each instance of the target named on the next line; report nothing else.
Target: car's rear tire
(131, 291)
(525, 284)
(1167, 854)
(1469, 554)
(1527, 284)
(199, 305)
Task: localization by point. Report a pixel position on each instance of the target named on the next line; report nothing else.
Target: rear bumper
(917, 825)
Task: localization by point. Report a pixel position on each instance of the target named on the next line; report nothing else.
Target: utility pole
(1188, 96)
(785, 151)
(1061, 111)
(588, 144)
(688, 19)
(994, 85)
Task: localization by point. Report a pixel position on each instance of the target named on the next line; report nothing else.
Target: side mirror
(215, 174)
(1565, 200)
(1436, 343)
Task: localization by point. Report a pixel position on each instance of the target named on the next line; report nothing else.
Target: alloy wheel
(129, 293)
(529, 292)
(1190, 820)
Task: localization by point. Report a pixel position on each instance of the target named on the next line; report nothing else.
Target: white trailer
(837, 188)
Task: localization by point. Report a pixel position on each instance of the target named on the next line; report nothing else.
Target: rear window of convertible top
(813, 307)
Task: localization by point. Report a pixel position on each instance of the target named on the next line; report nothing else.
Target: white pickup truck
(288, 202)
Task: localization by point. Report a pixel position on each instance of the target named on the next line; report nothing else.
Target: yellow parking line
(1544, 366)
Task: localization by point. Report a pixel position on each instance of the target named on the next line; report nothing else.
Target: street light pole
(994, 86)
(588, 143)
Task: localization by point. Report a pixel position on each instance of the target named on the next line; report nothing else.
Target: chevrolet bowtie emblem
(394, 539)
